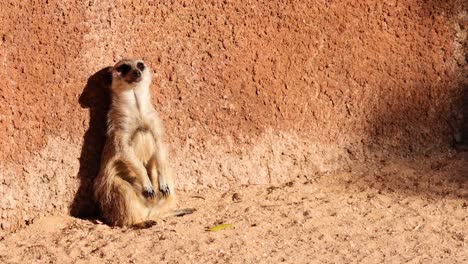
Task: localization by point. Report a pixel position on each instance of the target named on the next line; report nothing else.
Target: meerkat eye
(141, 66)
(124, 69)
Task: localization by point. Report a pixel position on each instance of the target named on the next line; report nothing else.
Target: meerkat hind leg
(125, 207)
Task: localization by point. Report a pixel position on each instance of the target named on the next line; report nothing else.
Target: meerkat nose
(136, 74)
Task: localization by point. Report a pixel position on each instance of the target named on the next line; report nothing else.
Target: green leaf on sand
(219, 227)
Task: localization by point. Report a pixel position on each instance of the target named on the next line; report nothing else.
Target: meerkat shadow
(461, 140)
(96, 98)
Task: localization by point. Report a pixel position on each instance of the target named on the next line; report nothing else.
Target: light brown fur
(134, 159)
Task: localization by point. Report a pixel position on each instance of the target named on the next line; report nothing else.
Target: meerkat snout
(130, 71)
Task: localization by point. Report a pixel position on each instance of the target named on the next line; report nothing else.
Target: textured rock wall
(251, 92)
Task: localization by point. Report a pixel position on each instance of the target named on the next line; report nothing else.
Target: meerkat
(135, 159)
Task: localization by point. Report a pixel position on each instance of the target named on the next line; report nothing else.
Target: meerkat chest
(142, 139)
(140, 112)
(143, 143)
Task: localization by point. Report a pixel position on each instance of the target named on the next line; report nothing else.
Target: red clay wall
(251, 92)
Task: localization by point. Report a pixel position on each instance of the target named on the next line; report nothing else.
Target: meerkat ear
(107, 76)
(112, 73)
(115, 74)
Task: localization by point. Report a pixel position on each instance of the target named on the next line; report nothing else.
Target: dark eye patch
(124, 69)
(140, 66)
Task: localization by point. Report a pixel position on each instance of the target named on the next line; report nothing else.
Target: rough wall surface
(251, 92)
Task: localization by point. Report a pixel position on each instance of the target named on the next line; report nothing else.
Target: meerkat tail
(180, 212)
(144, 224)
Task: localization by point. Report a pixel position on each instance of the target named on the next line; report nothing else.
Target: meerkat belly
(143, 144)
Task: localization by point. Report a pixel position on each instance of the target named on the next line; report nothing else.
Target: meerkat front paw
(164, 189)
(148, 191)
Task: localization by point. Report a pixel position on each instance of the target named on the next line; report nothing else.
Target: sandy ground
(397, 211)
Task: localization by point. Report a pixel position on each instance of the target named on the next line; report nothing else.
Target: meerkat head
(129, 74)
